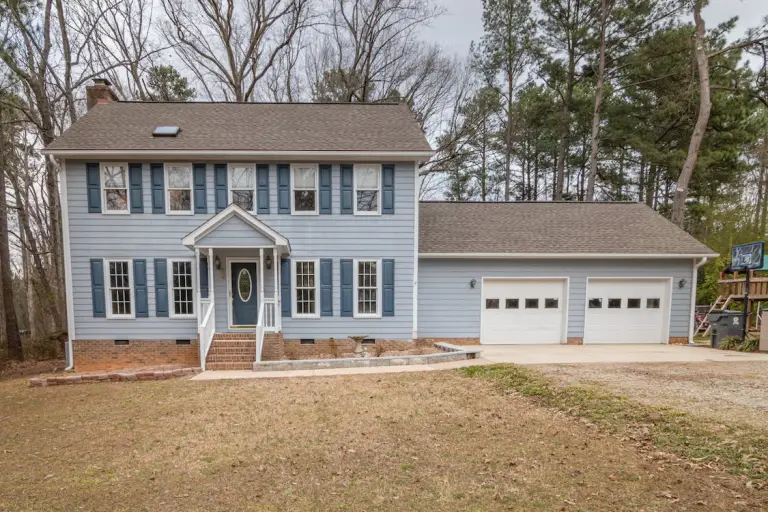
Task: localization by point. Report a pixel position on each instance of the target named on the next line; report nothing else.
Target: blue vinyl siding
(333, 236)
(449, 307)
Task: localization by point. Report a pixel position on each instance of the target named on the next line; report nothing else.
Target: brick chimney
(100, 92)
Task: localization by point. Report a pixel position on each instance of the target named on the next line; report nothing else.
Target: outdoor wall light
(473, 283)
(217, 262)
(268, 261)
(681, 283)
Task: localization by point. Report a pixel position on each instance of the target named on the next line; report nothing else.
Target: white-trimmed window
(182, 292)
(304, 179)
(367, 290)
(306, 281)
(179, 196)
(114, 186)
(367, 180)
(119, 279)
(242, 186)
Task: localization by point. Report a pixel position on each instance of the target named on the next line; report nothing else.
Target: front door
(245, 295)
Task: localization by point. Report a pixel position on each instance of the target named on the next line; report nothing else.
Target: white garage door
(518, 311)
(627, 311)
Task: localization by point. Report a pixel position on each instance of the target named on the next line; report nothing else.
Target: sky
(462, 22)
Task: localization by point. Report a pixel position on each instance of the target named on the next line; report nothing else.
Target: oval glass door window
(244, 285)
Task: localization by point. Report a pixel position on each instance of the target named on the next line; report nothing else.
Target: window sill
(367, 214)
(115, 212)
(300, 212)
(121, 317)
(364, 316)
(168, 212)
(302, 317)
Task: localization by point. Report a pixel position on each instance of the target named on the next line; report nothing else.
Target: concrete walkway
(525, 354)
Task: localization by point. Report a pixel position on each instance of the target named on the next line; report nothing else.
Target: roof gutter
(229, 154)
(559, 256)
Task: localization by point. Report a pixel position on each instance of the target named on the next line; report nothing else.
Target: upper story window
(178, 179)
(367, 188)
(304, 189)
(242, 179)
(119, 280)
(114, 179)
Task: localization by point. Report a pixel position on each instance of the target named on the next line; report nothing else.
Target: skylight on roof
(166, 131)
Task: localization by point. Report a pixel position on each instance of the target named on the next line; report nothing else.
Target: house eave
(555, 256)
(214, 154)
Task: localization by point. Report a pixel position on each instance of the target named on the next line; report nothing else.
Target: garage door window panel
(653, 303)
(595, 303)
(633, 303)
(512, 304)
(491, 303)
(614, 303)
(551, 303)
(531, 303)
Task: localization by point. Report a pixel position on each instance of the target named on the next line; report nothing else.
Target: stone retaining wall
(112, 377)
(448, 353)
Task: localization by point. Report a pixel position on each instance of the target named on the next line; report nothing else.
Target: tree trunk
(641, 182)
(705, 107)
(15, 350)
(508, 149)
(598, 104)
(650, 190)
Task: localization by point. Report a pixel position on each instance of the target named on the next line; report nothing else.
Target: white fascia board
(560, 256)
(236, 154)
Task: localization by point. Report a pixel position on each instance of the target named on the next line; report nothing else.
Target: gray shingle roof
(247, 127)
(562, 227)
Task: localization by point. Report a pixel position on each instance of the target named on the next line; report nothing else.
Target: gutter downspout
(694, 285)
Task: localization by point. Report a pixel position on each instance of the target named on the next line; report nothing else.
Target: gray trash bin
(725, 323)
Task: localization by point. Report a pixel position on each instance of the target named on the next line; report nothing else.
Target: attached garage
(625, 310)
(523, 311)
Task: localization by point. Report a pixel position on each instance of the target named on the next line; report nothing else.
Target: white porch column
(278, 309)
(261, 278)
(210, 276)
(195, 279)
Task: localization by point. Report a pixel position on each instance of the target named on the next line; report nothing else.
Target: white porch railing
(267, 322)
(206, 330)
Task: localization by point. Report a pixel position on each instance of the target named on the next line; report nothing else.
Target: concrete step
(229, 366)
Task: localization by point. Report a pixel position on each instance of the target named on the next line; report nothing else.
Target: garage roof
(463, 229)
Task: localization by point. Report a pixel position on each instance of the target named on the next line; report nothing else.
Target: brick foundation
(91, 355)
(294, 349)
(273, 348)
(678, 341)
(575, 341)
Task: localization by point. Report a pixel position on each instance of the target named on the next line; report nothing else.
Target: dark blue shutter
(325, 189)
(326, 287)
(347, 282)
(285, 286)
(220, 173)
(347, 188)
(140, 288)
(388, 287)
(388, 189)
(161, 287)
(204, 278)
(137, 199)
(158, 188)
(283, 188)
(93, 180)
(199, 174)
(262, 188)
(97, 287)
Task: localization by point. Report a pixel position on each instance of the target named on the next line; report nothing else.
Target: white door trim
(230, 297)
(668, 318)
(566, 297)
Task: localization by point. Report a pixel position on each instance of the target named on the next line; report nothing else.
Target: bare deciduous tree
(231, 45)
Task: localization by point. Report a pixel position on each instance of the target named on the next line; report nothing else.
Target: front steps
(230, 352)
(237, 351)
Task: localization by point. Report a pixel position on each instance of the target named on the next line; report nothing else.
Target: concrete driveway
(564, 354)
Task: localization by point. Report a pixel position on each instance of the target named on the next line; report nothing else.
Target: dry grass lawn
(436, 441)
